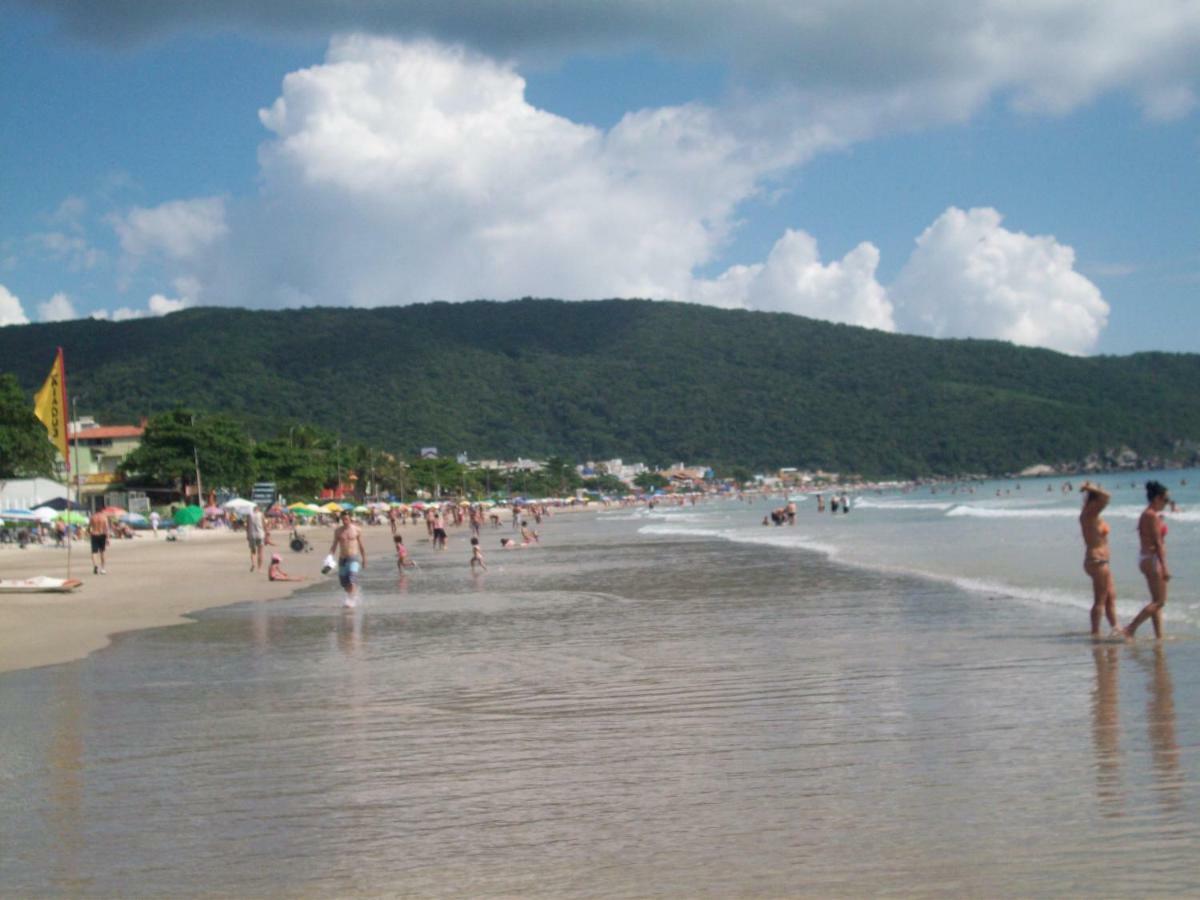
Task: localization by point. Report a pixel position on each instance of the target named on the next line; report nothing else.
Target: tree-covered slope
(643, 380)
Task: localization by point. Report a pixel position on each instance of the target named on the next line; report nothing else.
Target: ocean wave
(868, 503)
(1041, 596)
(771, 538)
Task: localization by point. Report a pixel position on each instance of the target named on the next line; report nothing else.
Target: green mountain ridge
(643, 380)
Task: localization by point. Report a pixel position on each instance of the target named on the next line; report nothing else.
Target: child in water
(527, 535)
(402, 560)
(477, 556)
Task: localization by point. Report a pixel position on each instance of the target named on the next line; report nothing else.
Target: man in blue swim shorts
(351, 556)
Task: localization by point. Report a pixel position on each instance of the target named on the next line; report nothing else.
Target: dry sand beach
(150, 582)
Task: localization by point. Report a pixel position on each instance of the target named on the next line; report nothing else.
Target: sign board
(263, 493)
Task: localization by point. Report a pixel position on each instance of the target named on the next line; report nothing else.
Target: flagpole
(62, 359)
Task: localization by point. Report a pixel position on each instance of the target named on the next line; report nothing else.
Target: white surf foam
(775, 537)
(870, 503)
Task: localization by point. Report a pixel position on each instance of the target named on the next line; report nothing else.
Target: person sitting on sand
(1152, 558)
(477, 556)
(1096, 556)
(276, 573)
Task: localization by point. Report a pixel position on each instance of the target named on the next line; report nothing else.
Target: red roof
(107, 432)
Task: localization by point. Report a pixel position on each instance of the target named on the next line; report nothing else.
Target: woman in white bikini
(1096, 556)
(1152, 557)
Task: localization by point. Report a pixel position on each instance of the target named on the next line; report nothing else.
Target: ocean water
(679, 702)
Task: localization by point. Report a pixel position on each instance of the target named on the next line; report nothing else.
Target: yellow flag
(50, 405)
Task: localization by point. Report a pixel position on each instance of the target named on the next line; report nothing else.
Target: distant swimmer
(351, 557)
(1152, 558)
(820, 503)
(833, 504)
(1096, 557)
(845, 504)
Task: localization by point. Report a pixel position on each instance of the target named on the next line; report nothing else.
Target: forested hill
(642, 380)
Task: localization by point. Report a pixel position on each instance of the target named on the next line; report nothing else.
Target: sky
(1023, 170)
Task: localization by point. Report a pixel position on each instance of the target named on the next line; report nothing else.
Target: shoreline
(151, 583)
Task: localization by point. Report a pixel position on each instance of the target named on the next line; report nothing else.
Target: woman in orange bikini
(1152, 558)
(1096, 556)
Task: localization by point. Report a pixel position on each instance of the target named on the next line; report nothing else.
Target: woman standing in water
(1096, 556)
(1152, 558)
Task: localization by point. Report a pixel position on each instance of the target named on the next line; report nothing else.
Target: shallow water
(619, 712)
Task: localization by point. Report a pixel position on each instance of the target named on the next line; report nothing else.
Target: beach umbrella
(18, 515)
(135, 519)
(240, 505)
(44, 513)
(61, 503)
(299, 504)
(113, 511)
(304, 512)
(188, 515)
(331, 507)
(361, 509)
(71, 517)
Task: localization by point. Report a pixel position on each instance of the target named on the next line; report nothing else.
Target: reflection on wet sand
(66, 780)
(1160, 726)
(1106, 728)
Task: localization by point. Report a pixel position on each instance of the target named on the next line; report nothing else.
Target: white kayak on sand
(39, 585)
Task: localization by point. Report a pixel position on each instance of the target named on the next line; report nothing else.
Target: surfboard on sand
(41, 584)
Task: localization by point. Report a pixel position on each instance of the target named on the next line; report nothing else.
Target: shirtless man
(351, 556)
(99, 529)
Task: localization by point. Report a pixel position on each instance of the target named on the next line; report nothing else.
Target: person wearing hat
(276, 573)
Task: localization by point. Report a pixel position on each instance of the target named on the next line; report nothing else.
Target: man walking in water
(98, 528)
(351, 556)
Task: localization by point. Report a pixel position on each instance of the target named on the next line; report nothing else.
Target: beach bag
(328, 564)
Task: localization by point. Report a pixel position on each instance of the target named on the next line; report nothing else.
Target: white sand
(149, 583)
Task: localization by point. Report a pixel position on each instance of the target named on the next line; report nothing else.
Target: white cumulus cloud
(158, 305)
(793, 279)
(58, 308)
(178, 230)
(403, 172)
(11, 311)
(399, 172)
(971, 277)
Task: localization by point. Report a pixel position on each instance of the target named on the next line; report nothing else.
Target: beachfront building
(618, 469)
(686, 478)
(97, 451)
(30, 493)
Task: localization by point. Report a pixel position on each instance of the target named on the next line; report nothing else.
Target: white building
(26, 493)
